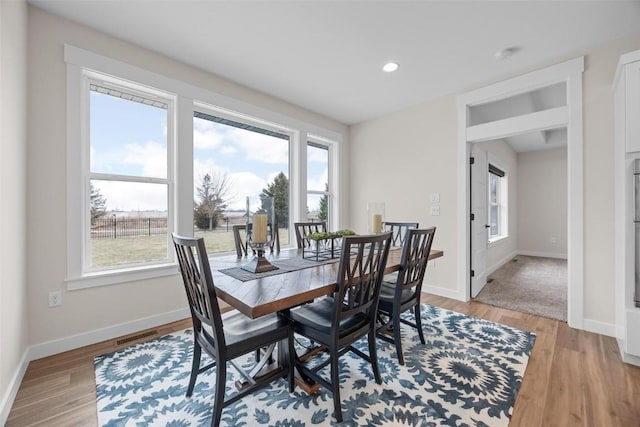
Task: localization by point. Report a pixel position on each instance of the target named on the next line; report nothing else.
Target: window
(318, 189)
(497, 203)
(235, 158)
(139, 149)
(127, 200)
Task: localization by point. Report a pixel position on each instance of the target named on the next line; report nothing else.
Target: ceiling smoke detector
(506, 53)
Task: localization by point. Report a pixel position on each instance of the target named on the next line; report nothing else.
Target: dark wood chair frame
(404, 294)
(303, 229)
(349, 314)
(241, 335)
(242, 246)
(399, 231)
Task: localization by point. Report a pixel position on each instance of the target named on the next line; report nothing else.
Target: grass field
(126, 250)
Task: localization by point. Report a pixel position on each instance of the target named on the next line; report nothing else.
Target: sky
(130, 138)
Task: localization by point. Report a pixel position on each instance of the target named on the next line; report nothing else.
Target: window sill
(497, 240)
(113, 277)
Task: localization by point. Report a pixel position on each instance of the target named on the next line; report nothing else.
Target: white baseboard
(597, 327)
(626, 357)
(542, 254)
(443, 292)
(12, 391)
(92, 337)
(502, 262)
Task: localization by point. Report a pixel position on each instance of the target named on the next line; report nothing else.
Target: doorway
(568, 115)
(525, 233)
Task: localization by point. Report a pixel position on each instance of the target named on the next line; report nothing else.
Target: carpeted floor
(468, 374)
(531, 285)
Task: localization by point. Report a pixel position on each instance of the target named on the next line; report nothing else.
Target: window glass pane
(494, 220)
(317, 167)
(318, 207)
(127, 137)
(128, 223)
(493, 188)
(229, 164)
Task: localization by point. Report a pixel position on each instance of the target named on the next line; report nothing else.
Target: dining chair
(404, 293)
(399, 231)
(226, 338)
(303, 229)
(242, 244)
(336, 322)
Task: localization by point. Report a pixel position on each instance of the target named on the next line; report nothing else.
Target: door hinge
(471, 160)
(473, 217)
(473, 273)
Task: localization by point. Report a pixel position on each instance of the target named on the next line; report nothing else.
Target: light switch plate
(435, 198)
(435, 210)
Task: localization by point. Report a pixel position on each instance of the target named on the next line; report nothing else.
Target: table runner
(284, 266)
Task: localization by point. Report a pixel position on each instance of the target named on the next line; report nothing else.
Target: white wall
(92, 313)
(13, 187)
(542, 202)
(503, 250)
(402, 158)
(417, 145)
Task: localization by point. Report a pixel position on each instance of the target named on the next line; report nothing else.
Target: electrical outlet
(55, 298)
(435, 197)
(554, 240)
(435, 210)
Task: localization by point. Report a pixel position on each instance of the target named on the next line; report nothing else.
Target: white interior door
(479, 229)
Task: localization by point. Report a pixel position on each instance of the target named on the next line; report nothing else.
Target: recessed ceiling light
(390, 67)
(506, 53)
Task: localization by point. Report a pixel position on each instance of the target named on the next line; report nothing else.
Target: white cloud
(206, 135)
(244, 184)
(152, 157)
(318, 183)
(132, 196)
(260, 147)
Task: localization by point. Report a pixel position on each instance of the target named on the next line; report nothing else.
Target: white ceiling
(326, 56)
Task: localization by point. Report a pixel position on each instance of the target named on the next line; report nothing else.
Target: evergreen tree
(279, 190)
(323, 215)
(98, 204)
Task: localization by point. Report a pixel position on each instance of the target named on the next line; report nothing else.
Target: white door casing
(571, 117)
(479, 230)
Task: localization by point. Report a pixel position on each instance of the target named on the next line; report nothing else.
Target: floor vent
(136, 337)
(514, 260)
(489, 280)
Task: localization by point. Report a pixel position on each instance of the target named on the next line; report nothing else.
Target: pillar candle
(259, 230)
(377, 223)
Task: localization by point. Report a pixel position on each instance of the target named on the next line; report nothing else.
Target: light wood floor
(574, 378)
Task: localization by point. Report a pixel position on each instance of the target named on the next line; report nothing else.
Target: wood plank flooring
(574, 378)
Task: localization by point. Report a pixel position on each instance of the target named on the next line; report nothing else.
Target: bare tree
(213, 193)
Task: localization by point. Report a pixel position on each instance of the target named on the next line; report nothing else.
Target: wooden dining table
(259, 294)
(277, 291)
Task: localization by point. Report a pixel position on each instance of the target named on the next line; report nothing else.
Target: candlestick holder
(375, 214)
(260, 231)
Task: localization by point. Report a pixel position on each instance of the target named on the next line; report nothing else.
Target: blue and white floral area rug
(468, 374)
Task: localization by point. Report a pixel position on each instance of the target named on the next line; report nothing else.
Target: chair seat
(387, 294)
(243, 334)
(318, 316)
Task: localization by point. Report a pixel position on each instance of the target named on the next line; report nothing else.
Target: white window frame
(331, 190)
(502, 196)
(181, 163)
(224, 113)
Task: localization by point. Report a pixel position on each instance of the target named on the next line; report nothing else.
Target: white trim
(540, 120)
(110, 277)
(52, 347)
(502, 262)
(541, 254)
(598, 327)
(626, 357)
(443, 292)
(571, 73)
(82, 57)
(12, 390)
